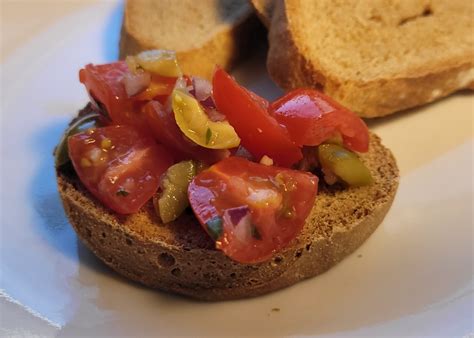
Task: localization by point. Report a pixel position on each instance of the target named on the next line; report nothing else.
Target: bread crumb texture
(180, 257)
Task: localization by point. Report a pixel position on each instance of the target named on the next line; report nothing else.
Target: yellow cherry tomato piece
(196, 125)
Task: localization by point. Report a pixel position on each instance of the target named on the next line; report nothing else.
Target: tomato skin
(312, 117)
(267, 192)
(260, 133)
(163, 125)
(118, 165)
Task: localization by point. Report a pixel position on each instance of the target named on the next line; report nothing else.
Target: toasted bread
(180, 257)
(203, 33)
(374, 57)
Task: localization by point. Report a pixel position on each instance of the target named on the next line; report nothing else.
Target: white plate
(412, 277)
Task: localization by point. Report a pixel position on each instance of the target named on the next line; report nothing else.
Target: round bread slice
(180, 257)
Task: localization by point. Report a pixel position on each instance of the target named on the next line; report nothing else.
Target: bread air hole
(277, 261)
(176, 272)
(298, 253)
(166, 260)
(128, 241)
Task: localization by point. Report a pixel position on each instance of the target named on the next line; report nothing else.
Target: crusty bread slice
(203, 33)
(180, 257)
(374, 57)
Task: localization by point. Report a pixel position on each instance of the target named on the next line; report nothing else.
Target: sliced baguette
(203, 33)
(180, 257)
(375, 57)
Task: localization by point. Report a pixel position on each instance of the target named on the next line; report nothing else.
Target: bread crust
(179, 257)
(368, 98)
(225, 48)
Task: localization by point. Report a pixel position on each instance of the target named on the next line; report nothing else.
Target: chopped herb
(208, 135)
(122, 192)
(255, 233)
(214, 227)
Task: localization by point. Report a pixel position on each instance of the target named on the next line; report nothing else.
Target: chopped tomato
(260, 133)
(312, 118)
(166, 131)
(252, 210)
(118, 165)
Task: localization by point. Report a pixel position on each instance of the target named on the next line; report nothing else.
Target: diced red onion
(136, 82)
(202, 88)
(236, 215)
(208, 103)
(241, 219)
(214, 115)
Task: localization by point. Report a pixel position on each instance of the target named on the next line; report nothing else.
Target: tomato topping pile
(157, 117)
(252, 210)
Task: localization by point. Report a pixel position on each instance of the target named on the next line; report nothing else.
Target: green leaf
(214, 227)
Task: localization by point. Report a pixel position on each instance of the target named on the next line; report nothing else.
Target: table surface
(21, 17)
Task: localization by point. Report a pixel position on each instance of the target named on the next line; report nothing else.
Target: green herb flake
(255, 233)
(122, 192)
(214, 227)
(208, 135)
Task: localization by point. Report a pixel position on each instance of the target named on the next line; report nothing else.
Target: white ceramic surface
(414, 276)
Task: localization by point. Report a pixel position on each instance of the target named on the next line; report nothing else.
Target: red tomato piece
(252, 210)
(118, 165)
(260, 133)
(166, 131)
(312, 117)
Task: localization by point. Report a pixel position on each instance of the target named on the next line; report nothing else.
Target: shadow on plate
(51, 223)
